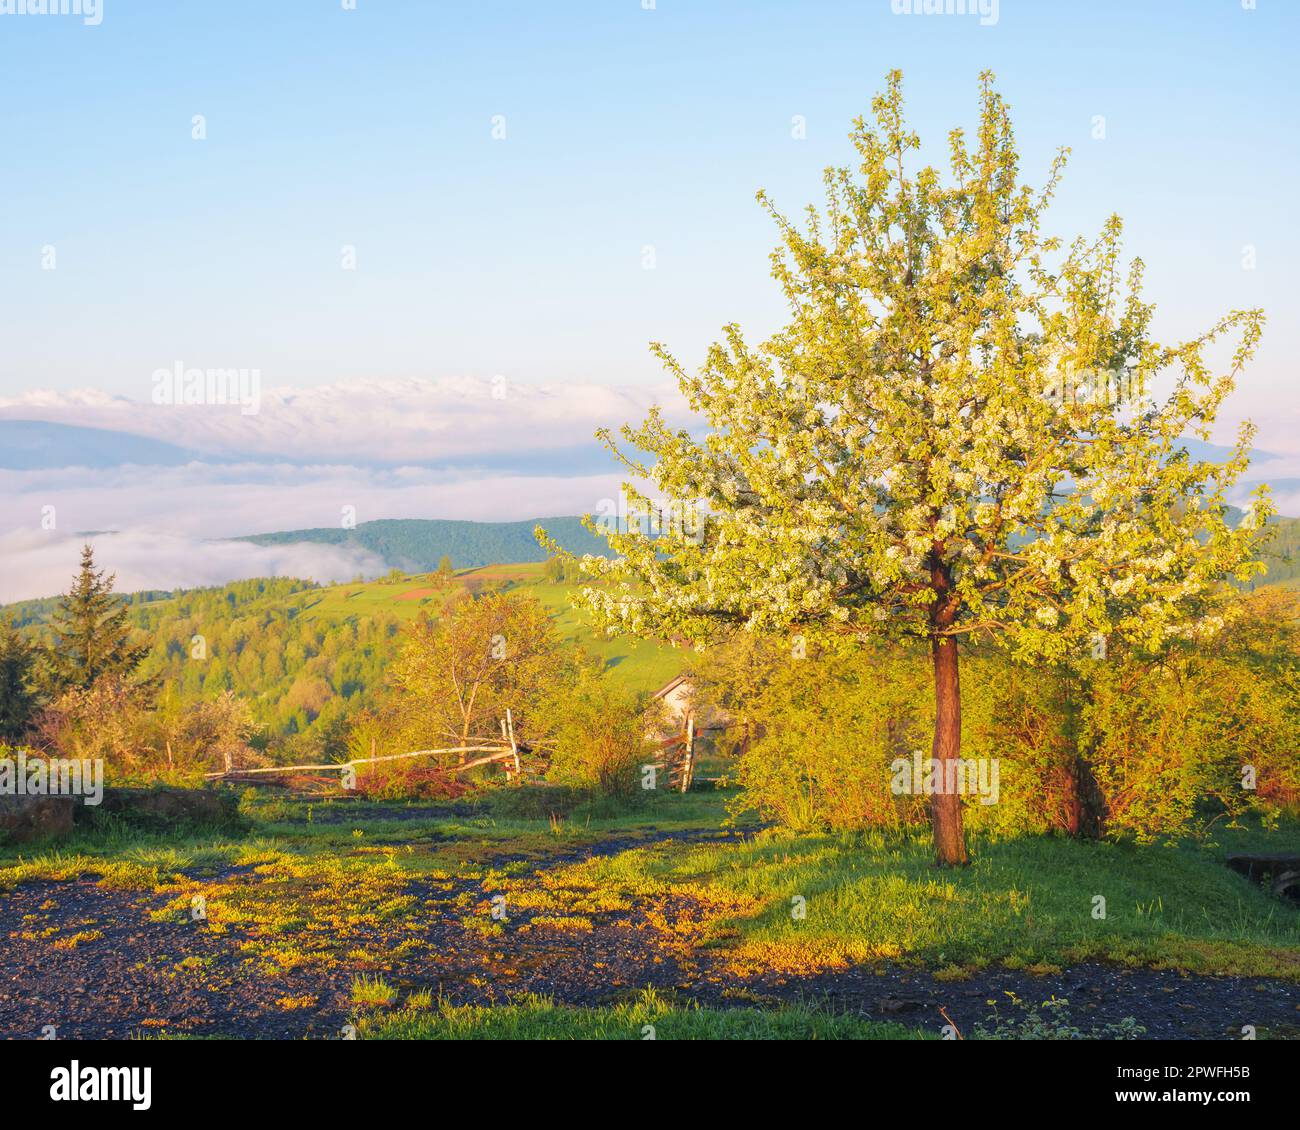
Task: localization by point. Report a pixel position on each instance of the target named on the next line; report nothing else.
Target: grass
(649, 1017)
(348, 887)
(374, 992)
(1025, 903)
(357, 892)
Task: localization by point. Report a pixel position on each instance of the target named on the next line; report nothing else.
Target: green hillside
(641, 665)
(305, 656)
(417, 544)
(1283, 556)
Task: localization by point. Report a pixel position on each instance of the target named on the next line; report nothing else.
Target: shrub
(597, 734)
(1132, 745)
(457, 677)
(829, 725)
(1173, 741)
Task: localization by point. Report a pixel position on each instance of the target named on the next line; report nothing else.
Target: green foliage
(1282, 555)
(1024, 901)
(959, 433)
(309, 661)
(1192, 736)
(596, 732)
(301, 674)
(650, 1016)
(116, 720)
(561, 570)
(417, 544)
(965, 432)
(537, 802)
(1050, 1021)
(1154, 745)
(826, 722)
(372, 991)
(457, 678)
(17, 680)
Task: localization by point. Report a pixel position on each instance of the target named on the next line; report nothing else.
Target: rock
(1286, 884)
(1279, 871)
(24, 819)
(167, 808)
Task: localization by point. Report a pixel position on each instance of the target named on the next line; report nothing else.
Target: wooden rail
(675, 755)
(495, 752)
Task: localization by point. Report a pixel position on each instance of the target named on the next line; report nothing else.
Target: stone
(165, 808)
(28, 819)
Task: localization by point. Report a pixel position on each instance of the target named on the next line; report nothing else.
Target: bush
(596, 733)
(829, 725)
(1133, 745)
(408, 780)
(1173, 742)
(115, 720)
(456, 678)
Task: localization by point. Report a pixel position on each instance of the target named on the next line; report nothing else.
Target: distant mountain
(418, 544)
(37, 445)
(1283, 554)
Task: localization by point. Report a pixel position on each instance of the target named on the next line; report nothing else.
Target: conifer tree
(91, 631)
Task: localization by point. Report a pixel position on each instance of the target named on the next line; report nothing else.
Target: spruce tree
(92, 633)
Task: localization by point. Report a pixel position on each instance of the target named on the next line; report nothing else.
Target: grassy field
(326, 910)
(1024, 903)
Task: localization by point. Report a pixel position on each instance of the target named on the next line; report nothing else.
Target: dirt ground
(132, 974)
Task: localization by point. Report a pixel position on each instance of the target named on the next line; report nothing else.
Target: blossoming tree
(956, 436)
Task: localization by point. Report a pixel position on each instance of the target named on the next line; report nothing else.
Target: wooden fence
(506, 750)
(674, 756)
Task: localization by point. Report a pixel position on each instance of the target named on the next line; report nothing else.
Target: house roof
(671, 686)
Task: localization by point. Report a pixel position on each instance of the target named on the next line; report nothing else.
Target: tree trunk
(1090, 810)
(945, 803)
(1085, 810)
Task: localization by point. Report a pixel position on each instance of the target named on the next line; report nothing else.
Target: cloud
(1287, 500)
(450, 421)
(40, 563)
(203, 500)
(455, 448)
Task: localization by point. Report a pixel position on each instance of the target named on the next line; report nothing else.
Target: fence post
(690, 753)
(514, 746)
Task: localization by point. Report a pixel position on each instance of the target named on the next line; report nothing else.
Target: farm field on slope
(641, 665)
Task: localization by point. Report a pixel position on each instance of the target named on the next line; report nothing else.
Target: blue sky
(521, 259)
(625, 127)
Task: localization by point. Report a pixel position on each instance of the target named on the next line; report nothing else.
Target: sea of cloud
(40, 563)
(453, 420)
(476, 449)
